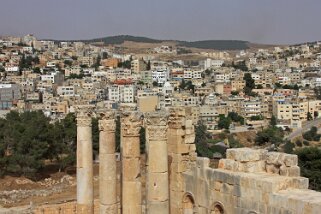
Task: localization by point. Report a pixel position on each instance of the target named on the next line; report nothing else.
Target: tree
(95, 136)
(317, 92)
(208, 72)
(309, 116)
(142, 140)
(26, 137)
(155, 84)
(148, 66)
(312, 134)
(249, 84)
(37, 70)
(68, 62)
(273, 121)
(235, 117)
(256, 117)
(76, 76)
(310, 164)
(316, 114)
(117, 133)
(97, 63)
(201, 139)
(224, 122)
(104, 55)
(235, 93)
(240, 65)
(271, 135)
(259, 86)
(278, 85)
(288, 147)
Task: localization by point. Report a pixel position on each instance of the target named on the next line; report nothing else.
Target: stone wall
(250, 181)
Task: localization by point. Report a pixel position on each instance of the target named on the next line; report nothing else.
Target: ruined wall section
(251, 181)
(181, 153)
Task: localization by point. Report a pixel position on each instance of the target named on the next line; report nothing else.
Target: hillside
(117, 40)
(205, 44)
(217, 44)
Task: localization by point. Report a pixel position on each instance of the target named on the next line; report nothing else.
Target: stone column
(130, 151)
(157, 163)
(85, 187)
(181, 154)
(107, 164)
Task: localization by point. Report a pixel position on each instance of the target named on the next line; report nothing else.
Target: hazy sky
(264, 21)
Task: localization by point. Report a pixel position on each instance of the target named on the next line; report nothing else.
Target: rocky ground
(22, 191)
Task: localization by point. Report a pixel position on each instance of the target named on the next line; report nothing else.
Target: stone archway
(188, 204)
(217, 208)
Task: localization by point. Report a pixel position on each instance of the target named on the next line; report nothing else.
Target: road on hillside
(298, 132)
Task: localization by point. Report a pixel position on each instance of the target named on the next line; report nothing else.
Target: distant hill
(205, 44)
(117, 40)
(217, 44)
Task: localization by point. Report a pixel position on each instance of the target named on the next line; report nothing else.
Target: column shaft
(131, 177)
(107, 165)
(157, 164)
(85, 187)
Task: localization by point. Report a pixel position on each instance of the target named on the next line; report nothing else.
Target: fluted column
(157, 163)
(107, 164)
(130, 150)
(85, 187)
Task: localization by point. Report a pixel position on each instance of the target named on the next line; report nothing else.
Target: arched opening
(188, 204)
(217, 208)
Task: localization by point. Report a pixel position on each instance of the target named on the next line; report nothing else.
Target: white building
(160, 76)
(122, 93)
(209, 63)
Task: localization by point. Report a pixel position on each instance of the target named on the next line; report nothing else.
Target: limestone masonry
(177, 181)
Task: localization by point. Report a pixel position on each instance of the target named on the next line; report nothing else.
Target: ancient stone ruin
(177, 181)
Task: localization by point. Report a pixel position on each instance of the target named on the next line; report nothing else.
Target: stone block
(290, 160)
(292, 171)
(246, 154)
(218, 185)
(256, 166)
(271, 168)
(300, 183)
(227, 188)
(275, 158)
(202, 162)
(228, 164)
(189, 139)
(237, 191)
(202, 193)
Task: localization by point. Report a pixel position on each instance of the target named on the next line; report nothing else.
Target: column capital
(84, 115)
(107, 121)
(131, 123)
(177, 117)
(156, 125)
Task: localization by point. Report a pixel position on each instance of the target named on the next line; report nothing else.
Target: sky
(258, 21)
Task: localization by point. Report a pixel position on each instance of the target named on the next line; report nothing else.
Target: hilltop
(203, 44)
